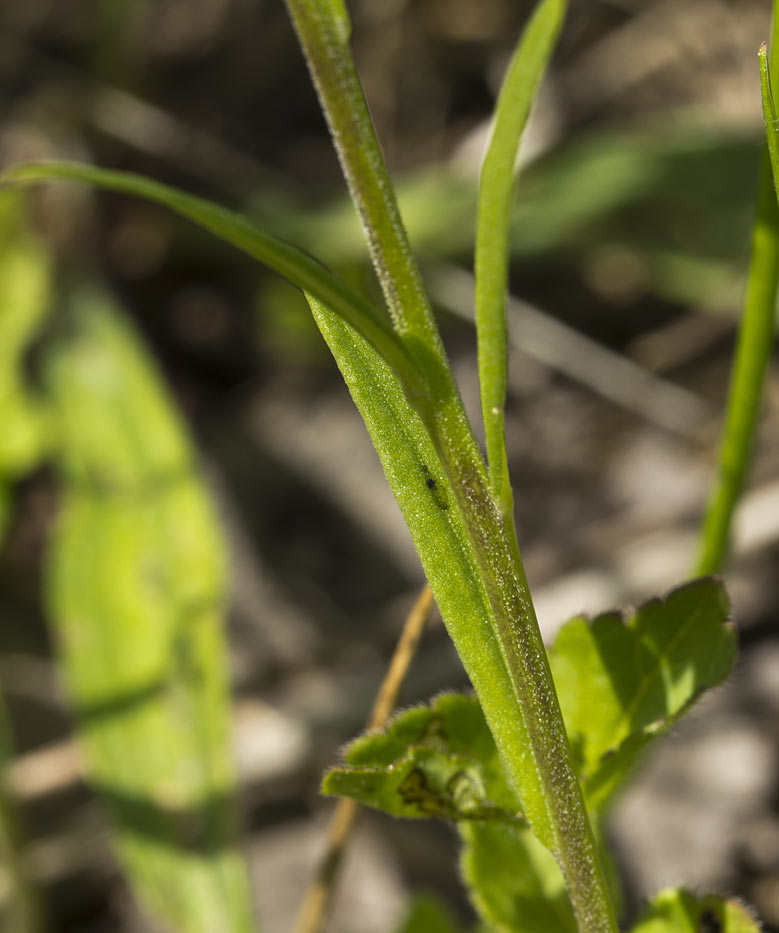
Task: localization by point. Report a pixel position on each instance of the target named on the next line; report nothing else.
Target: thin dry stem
(316, 903)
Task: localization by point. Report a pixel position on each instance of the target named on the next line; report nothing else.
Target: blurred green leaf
(136, 593)
(677, 911)
(428, 916)
(25, 294)
(515, 883)
(622, 681)
(431, 761)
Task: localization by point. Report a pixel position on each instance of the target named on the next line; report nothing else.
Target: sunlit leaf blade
(753, 352)
(428, 916)
(136, 593)
(429, 506)
(515, 883)
(294, 264)
(622, 680)
(496, 192)
(431, 761)
(677, 911)
(25, 294)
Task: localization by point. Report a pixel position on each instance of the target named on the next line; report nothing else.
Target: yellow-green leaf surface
(136, 594)
(623, 679)
(515, 883)
(25, 293)
(677, 911)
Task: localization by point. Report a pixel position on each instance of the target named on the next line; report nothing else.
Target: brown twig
(314, 909)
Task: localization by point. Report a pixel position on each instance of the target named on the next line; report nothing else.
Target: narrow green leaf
(515, 883)
(296, 266)
(677, 911)
(428, 916)
(430, 507)
(623, 680)
(755, 340)
(136, 593)
(496, 194)
(431, 761)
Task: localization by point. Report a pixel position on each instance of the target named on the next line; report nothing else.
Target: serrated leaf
(428, 916)
(623, 680)
(136, 593)
(432, 761)
(440, 761)
(677, 911)
(514, 881)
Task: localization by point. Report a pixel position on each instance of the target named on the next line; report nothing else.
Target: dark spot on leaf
(709, 922)
(438, 496)
(414, 790)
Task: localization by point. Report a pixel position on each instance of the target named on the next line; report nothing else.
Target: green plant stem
(323, 29)
(559, 817)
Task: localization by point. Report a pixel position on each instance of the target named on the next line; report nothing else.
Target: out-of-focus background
(631, 236)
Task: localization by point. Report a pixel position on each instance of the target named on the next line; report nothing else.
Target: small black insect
(431, 484)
